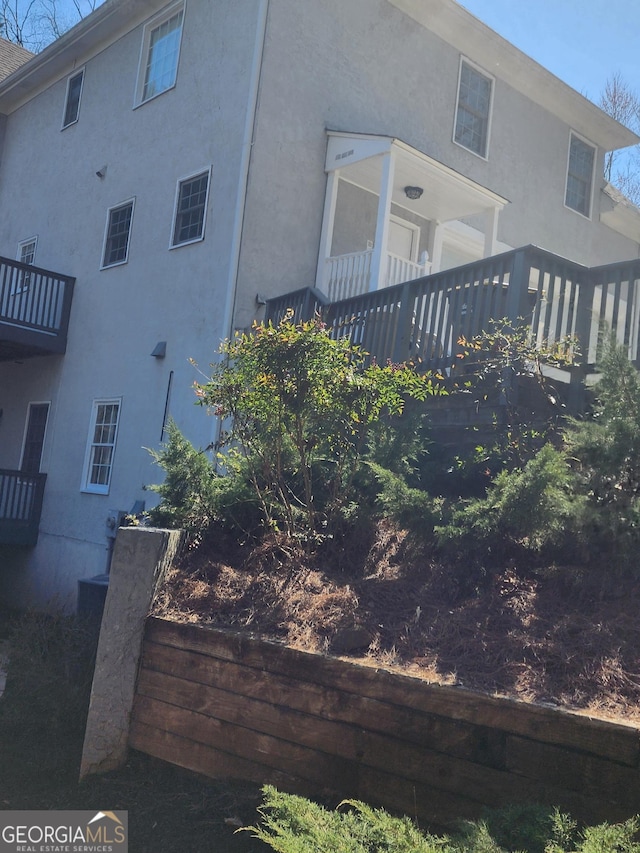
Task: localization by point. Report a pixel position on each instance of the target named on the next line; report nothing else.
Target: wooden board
(224, 704)
(617, 742)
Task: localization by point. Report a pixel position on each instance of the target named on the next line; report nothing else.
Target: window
(474, 109)
(580, 175)
(160, 53)
(72, 102)
(34, 437)
(191, 205)
(26, 255)
(101, 446)
(116, 243)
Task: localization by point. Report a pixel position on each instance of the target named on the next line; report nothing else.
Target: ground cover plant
(291, 824)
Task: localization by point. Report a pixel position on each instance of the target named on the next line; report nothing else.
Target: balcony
(424, 319)
(20, 507)
(34, 310)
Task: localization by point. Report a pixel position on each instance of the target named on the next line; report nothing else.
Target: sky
(581, 41)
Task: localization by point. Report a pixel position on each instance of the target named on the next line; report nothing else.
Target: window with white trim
(473, 109)
(72, 101)
(26, 255)
(116, 240)
(580, 175)
(160, 54)
(191, 208)
(101, 445)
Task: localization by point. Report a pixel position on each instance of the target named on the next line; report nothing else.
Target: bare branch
(622, 169)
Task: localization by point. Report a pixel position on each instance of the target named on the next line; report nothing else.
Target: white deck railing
(350, 275)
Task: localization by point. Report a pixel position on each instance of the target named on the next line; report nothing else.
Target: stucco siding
(120, 313)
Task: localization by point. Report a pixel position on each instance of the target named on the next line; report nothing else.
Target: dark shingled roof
(12, 56)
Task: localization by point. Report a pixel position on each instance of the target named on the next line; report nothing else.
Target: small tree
(606, 447)
(300, 406)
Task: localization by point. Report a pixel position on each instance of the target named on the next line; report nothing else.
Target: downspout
(241, 200)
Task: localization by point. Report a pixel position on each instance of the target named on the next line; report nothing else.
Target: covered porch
(393, 214)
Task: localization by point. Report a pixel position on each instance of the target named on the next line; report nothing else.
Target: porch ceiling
(447, 195)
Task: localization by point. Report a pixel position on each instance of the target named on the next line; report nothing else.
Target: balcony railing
(34, 310)
(20, 507)
(425, 319)
(350, 275)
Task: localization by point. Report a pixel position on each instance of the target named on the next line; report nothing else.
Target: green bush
(412, 509)
(605, 450)
(292, 824)
(531, 508)
(301, 408)
(189, 494)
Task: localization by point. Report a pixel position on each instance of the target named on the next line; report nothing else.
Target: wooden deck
(423, 320)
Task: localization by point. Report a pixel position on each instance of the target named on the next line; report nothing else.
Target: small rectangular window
(116, 243)
(580, 175)
(191, 206)
(160, 54)
(103, 432)
(473, 110)
(72, 102)
(26, 255)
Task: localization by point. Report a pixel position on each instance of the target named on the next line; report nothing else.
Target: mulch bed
(558, 635)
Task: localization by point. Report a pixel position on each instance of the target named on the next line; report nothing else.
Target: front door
(403, 240)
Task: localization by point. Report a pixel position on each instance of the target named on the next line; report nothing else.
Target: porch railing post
(404, 325)
(578, 382)
(517, 306)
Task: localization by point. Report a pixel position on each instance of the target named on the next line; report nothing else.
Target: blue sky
(581, 41)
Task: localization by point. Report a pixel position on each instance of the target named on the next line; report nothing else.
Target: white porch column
(328, 220)
(379, 257)
(435, 247)
(491, 231)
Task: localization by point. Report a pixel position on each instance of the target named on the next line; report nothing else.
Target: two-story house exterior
(171, 162)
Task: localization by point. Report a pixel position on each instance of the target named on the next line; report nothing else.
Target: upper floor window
(160, 53)
(474, 109)
(101, 445)
(191, 207)
(72, 101)
(116, 241)
(580, 175)
(26, 255)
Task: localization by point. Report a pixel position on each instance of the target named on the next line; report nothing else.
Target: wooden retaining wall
(224, 704)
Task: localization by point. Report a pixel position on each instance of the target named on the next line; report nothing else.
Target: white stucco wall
(120, 313)
(366, 67)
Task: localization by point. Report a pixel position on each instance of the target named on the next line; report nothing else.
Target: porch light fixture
(413, 193)
(160, 350)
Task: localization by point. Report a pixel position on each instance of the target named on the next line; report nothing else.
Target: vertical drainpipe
(241, 198)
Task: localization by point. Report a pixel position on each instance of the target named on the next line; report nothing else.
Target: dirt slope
(548, 634)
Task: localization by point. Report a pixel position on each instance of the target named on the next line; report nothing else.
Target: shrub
(413, 509)
(531, 507)
(301, 407)
(605, 449)
(190, 490)
(292, 824)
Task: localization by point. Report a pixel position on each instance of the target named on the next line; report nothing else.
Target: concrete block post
(141, 556)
